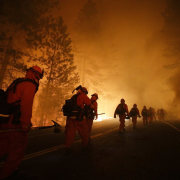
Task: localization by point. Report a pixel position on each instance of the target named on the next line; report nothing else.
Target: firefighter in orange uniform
(150, 114)
(154, 114)
(145, 115)
(14, 143)
(161, 114)
(134, 112)
(73, 123)
(122, 111)
(158, 114)
(91, 112)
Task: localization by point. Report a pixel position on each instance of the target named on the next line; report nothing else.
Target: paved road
(149, 152)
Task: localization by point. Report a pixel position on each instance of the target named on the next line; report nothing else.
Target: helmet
(95, 94)
(84, 90)
(37, 70)
(122, 100)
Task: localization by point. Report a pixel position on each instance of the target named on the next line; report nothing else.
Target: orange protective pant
(70, 130)
(122, 122)
(154, 117)
(145, 120)
(161, 117)
(89, 125)
(12, 144)
(150, 119)
(134, 120)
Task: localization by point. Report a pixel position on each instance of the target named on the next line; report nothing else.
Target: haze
(133, 29)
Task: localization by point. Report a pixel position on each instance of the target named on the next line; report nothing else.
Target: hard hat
(84, 90)
(122, 100)
(37, 70)
(95, 94)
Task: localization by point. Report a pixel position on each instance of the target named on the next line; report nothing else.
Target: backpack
(70, 108)
(5, 108)
(144, 112)
(120, 109)
(133, 112)
(89, 112)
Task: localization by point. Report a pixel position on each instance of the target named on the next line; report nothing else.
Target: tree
(98, 68)
(88, 31)
(16, 17)
(171, 30)
(171, 34)
(53, 47)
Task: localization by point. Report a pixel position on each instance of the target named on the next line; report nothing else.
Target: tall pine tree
(53, 47)
(88, 33)
(171, 35)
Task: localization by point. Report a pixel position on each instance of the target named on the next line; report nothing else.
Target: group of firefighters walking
(14, 128)
(21, 94)
(78, 122)
(148, 115)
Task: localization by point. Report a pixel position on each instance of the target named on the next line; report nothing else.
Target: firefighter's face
(94, 98)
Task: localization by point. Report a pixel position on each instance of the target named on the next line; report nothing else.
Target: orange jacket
(83, 100)
(137, 110)
(25, 92)
(95, 105)
(125, 107)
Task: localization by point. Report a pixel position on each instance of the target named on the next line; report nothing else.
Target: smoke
(131, 29)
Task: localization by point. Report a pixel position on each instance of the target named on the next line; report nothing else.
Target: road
(149, 152)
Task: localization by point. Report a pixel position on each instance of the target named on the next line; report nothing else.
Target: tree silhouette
(16, 17)
(171, 34)
(53, 47)
(88, 31)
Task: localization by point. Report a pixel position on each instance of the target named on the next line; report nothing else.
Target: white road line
(28, 156)
(171, 126)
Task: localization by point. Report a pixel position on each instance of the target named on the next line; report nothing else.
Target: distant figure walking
(145, 114)
(134, 112)
(122, 111)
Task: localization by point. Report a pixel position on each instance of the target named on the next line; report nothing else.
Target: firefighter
(73, 124)
(158, 114)
(91, 112)
(145, 115)
(134, 112)
(161, 114)
(13, 144)
(150, 114)
(154, 114)
(122, 111)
